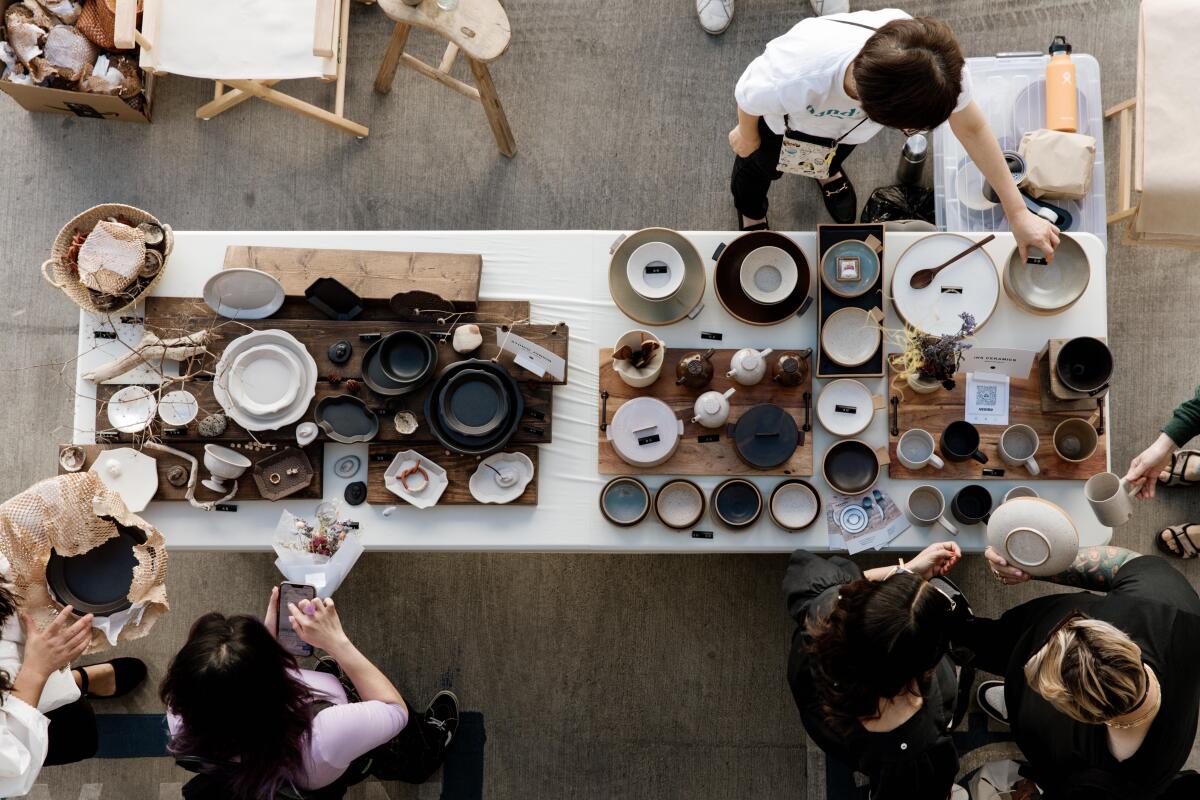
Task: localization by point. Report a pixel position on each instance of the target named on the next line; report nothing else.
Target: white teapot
(712, 408)
(748, 366)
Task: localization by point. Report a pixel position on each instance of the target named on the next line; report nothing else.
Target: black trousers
(72, 733)
(752, 176)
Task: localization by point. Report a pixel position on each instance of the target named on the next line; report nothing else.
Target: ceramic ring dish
(836, 265)
(845, 407)
(736, 503)
(243, 294)
(1042, 288)
(850, 335)
(970, 285)
(399, 363)
(679, 504)
(794, 505)
(415, 479)
(762, 278)
(624, 501)
(282, 357)
(642, 286)
(474, 407)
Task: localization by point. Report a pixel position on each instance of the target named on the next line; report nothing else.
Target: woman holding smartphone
(244, 715)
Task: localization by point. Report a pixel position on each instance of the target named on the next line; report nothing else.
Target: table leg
(391, 58)
(492, 107)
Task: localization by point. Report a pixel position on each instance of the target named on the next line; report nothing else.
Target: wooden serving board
(1056, 390)
(247, 488)
(934, 412)
(373, 274)
(171, 316)
(459, 469)
(694, 457)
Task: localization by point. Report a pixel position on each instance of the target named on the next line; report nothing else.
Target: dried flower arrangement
(322, 539)
(931, 358)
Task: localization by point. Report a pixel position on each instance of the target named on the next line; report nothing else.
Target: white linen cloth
(236, 39)
(800, 75)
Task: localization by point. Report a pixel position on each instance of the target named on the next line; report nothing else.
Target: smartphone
(292, 593)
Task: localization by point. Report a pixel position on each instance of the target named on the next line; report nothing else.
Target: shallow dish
(243, 294)
(467, 444)
(501, 478)
(851, 336)
(286, 416)
(346, 419)
(794, 505)
(683, 302)
(728, 278)
(970, 285)
(271, 473)
(655, 270)
(178, 408)
(131, 409)
(408, 357)
(264, 379)
(768, 275)
(624, 501)
(845, 407)
(473, 403)
(1048, 288)
(679, 504)
(98, 581)
(868, 266)
(424, 491)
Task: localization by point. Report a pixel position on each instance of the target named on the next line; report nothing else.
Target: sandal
(128, 673)
(1181, 466)
(1186, 547)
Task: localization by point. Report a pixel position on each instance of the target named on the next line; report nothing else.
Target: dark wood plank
(247, 488)
(459, 469)
(704, 458)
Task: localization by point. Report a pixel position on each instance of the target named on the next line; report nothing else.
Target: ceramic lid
(656, 312)
(243, 294)
(1048, 288)
(645, 431)
(868, 265)
(765, 436)
(1034, 534)
(850, 336)
(732, 292)
(130, 473)
(969, 285)
(845, 407)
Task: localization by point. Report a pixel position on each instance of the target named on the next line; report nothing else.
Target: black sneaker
(765, 225)
(990, 696)
(442, 715)
(840, 200)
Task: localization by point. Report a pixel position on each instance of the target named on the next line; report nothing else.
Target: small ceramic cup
(624, 501)
(1109, 496)
(643, 376)
(1019, 491)
(737, 503)
(915, 450)
(794, 505)
(927, 506)
(972, 504)
(1075, 440)
(1018, 447)
(679, 504)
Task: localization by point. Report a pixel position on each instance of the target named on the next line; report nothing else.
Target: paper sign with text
(530, 356)
(998, 360)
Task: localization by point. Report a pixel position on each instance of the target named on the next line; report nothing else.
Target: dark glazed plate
(96, 582)
(469, 444)
(474, 403)
(765, 436)
(397, 354)
(346, 419)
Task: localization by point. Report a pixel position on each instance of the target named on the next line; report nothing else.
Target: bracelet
(404, 476)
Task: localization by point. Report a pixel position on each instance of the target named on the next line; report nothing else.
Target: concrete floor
(598, 676)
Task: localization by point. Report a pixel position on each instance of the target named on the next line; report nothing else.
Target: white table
(564, 276)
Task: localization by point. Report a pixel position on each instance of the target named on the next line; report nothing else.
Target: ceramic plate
(265, 379)
(422, 497)
(868, 264)
(969, 285)
(845, 407)
(467, 444)
(850, 337)
(243, 294)
(286, 416)
(131, 409)
(683, 302)
(96, 582)
(473, 403)
(655, 270)
(501, 478)
(1048, 288)
(178, 408)
(727, 279)
(346, 419)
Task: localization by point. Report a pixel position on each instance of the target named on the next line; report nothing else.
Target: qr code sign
(986, 397)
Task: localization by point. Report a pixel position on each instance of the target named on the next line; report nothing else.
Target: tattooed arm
(1095, 568)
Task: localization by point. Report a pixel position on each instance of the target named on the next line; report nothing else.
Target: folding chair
(247, 47)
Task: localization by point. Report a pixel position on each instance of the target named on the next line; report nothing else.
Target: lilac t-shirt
(340, 733)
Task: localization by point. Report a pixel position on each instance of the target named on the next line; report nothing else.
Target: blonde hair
(1089, 670)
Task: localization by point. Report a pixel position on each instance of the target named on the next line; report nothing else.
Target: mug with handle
(972, 504)
(1109, 496)
(1018, 448)
(916, 449)
(960, 442)
(927, 506)
(1075, 439)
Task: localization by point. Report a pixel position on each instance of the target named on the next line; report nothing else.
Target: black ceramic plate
(727, 280)
(407, 357)
(765, 436)
(474, 445)
(851, 466)
(96, 582)
(375, 371)
(346, 419)
(737, 502)
(473, 403)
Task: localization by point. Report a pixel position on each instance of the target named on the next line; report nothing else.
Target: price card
(530, 356)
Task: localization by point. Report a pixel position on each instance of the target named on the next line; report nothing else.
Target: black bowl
(1084, 364)
(467, 444)
(850, 466)
(96, 582)
(737, 503)
(473, 403)
(392, 365)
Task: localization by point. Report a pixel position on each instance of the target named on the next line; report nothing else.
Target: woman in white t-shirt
(833, 82)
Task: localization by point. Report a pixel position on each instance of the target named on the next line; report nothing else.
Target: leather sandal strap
(1184, 542)
(1180, 460)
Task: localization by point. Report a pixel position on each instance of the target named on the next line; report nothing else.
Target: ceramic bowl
(243, 294)
(624, 501)
(1035, 535)
(501, 478)
(474, 403)
(224, 465)
(845, 407)
(851, 466)
(868, 265)
(768, 275)
(419, 490)
(794, 505)
(131, 409)
(346, 419)
(679, 504)
(409, 358)
(655, 270)
(686, 300)
(850, 336)
(1048, 288)
(737, 503)
(639, 377)
(265, 379)
(1084, 364)
(178, 408)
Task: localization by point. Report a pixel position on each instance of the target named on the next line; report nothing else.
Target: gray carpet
(598, 676)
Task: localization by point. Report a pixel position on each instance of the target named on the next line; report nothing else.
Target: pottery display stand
(459, 469)
(705, 451)
(247, 488)
(828, 302)
(1056, 390)
(934, 412)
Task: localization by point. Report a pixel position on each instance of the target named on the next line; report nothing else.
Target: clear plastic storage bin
(1010, 88)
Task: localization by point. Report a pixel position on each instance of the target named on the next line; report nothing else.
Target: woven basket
(98, 22)
(60, 276)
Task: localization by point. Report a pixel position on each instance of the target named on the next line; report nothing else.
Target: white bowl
(655, 270)
(131, 409)
(178, 408)
(224, 465)
(850, 336)
(845, 407)
(768, 275)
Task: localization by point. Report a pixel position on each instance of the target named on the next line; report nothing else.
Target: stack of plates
(474, 407)
(762, 278)
(265, 380)
(656, 277)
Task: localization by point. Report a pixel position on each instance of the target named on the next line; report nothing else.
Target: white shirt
(802, 75)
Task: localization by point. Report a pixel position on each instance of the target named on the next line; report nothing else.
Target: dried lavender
(941, 356)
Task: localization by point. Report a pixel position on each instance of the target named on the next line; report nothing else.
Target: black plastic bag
(892, 203)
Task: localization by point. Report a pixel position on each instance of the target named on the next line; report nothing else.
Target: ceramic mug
(927, 506)
(916, 449)
(960, 442)
(1109, 496)
(1019, 491)
(972, 504)
(1075, 440)
(1018, 448)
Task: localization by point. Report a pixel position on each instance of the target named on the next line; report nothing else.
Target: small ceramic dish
(178, 408)
(243, 294)
(836, 262)
(768, 275)
(794, 505)
(130, 473)
(414, 478)
(283, 473)
(1048, 288)
(346, 419)
(655, 270)
(737, 503)
(850, 336)
(624, 501)
(265, 379)
(679, 504)
(72, 458)
(501, 478)
(845, 407)
(131, 409)
(347, 466)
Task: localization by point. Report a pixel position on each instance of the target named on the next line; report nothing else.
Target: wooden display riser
(247, 487)
(828, 302)
(459, 469)
(934, 412)
(694, 457)
(1056, 396)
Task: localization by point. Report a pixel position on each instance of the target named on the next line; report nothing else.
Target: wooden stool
(477, 28)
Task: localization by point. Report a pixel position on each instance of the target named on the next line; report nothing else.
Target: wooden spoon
(923, 277)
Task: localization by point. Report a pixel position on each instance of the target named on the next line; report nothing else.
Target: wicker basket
(59, 275)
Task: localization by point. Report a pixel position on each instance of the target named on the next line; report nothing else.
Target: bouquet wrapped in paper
(320, 554)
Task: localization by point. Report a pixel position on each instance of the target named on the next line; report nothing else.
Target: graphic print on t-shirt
(833, 112)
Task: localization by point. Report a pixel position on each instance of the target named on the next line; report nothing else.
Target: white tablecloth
(564, 276)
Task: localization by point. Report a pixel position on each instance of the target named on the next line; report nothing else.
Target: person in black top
(869, 669)
(1101, 691)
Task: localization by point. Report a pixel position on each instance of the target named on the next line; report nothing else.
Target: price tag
(176, 431)
(645, 440)
(133, 320)
(845, 409)
(225, 507)
(993, 472)
(535, 431)
(530, 356)
(713, 335)
(533, 412)
(369, 337)
(702, 534)
(708, 437)
(382, 456)
(104, 334)
(656, 268)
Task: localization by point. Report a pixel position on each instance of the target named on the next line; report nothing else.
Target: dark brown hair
(880, 638)
(8, 607)
(909, 74)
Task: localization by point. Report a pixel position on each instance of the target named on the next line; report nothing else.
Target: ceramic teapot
(791, 369)
(1034, 534)
(694, 370)
(712, 408)
(748, 366)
